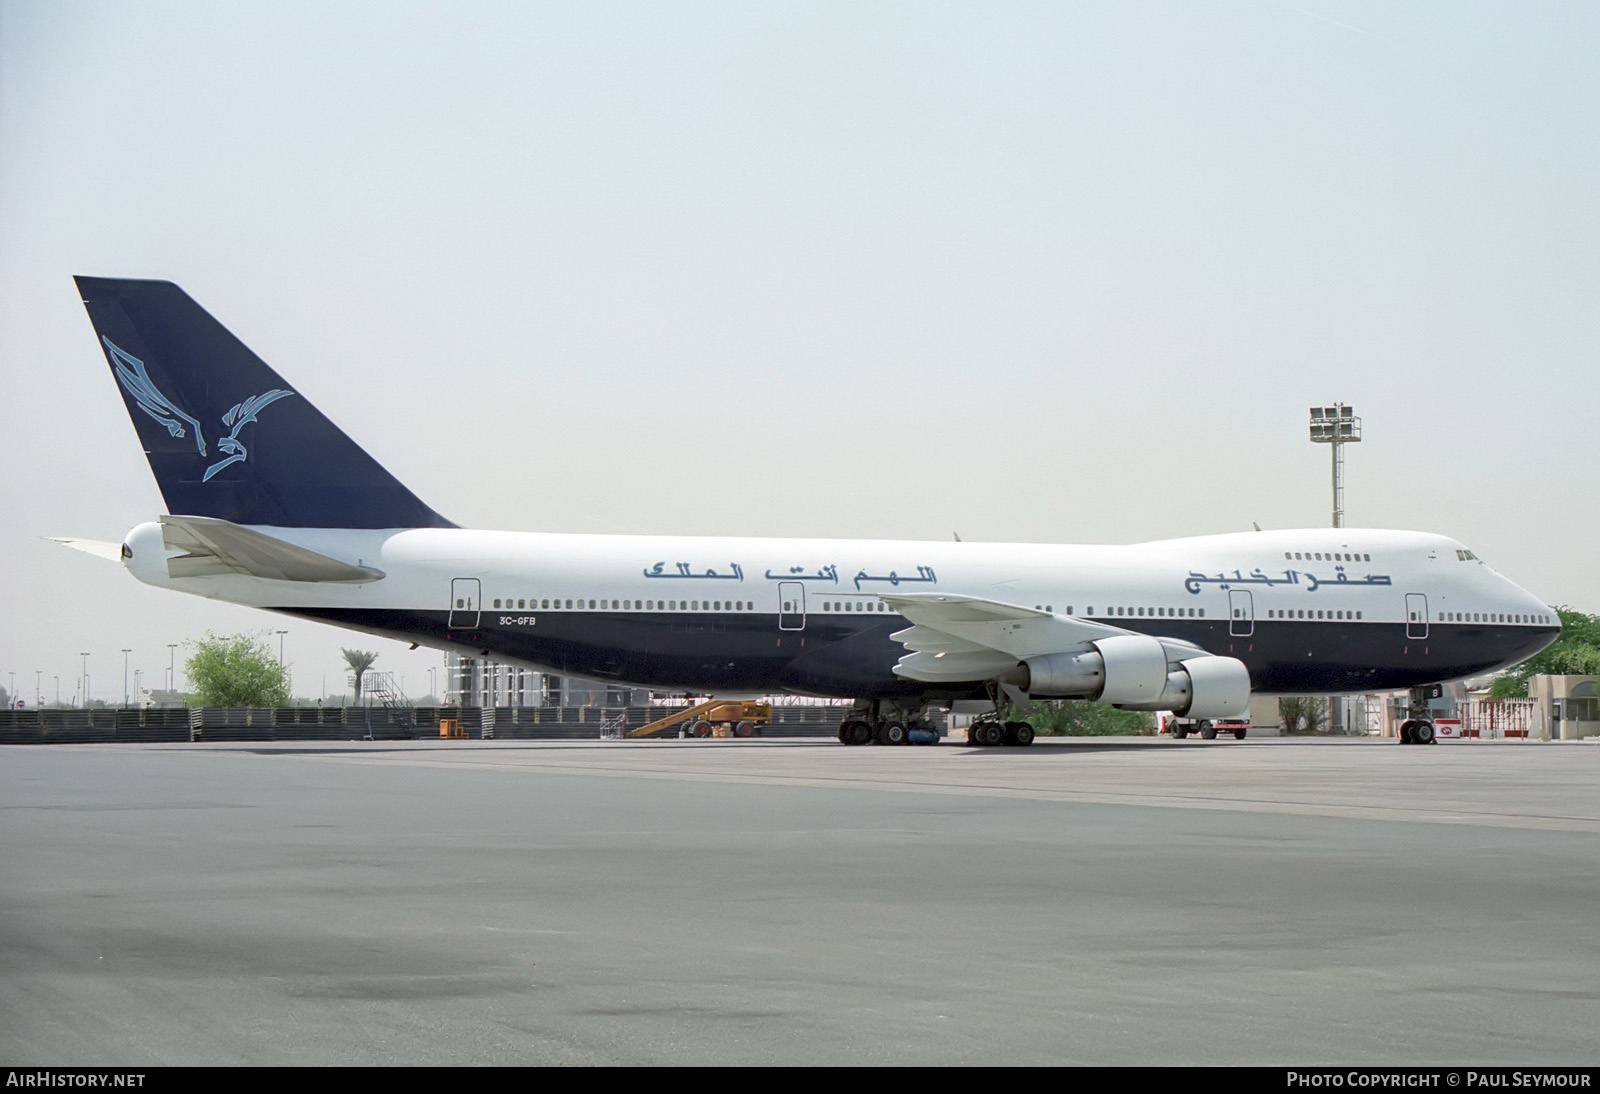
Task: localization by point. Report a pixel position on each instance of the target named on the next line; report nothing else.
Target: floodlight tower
(1336, 425)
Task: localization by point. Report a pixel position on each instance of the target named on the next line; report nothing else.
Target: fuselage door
(465, 602)
(791, 606)
(1416, 615)
(1241, 613)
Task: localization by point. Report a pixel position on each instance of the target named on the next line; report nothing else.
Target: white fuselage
(548, 600)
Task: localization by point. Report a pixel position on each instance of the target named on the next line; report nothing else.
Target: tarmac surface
(1090, 901)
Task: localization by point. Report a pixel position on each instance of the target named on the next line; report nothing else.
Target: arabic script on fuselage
(1309, 581)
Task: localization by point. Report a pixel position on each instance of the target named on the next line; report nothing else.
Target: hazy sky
(1047, 272)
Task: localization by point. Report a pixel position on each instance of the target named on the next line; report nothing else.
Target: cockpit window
(1466, 556)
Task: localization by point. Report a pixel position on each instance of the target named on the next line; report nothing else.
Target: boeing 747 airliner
(271, 505)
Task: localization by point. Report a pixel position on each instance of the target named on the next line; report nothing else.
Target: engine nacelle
(1131, 671)
(1128, 668)
(1219, 688)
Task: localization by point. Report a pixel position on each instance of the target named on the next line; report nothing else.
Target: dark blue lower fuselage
(853, 657)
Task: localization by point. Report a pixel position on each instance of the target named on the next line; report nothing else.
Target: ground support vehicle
(713, 718)
(1207, 728)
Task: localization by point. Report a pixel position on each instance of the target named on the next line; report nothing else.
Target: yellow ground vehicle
(713, 718)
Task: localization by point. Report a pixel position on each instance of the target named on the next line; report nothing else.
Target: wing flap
(971, 623)
(961, 638)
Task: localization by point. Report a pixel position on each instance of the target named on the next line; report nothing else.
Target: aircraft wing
(956, 639)
(214, 546)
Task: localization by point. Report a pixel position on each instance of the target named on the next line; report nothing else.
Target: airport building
(481, 682)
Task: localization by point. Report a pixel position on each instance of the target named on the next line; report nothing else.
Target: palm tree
(359, 661)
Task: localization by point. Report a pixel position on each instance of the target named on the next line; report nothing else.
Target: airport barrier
(329, 723)
(1496, 718)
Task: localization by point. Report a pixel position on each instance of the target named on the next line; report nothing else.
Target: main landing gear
(872, 723)
(991, 731)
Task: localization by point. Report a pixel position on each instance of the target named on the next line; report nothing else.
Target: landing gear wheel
(892, 733)
(1422, 733)
(1406, 728)
(860, 733)
(1024, 735)
(1208, 731)
(994, 734)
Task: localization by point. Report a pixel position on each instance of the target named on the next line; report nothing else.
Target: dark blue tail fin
(226, 437)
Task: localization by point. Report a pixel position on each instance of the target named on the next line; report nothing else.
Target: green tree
(1302, 713)
(359, 661)
(236, 670)
(1075, 718)
(1575, 653)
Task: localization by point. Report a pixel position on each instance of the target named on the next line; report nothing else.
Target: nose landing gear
(1418, 728)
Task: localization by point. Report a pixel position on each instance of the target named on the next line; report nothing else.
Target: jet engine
(1134, 672)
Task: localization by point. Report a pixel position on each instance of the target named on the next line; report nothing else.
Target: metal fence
(1497, 718)
(361, 723)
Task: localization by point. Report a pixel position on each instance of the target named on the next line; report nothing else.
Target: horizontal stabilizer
(98, 548)
(213, 546)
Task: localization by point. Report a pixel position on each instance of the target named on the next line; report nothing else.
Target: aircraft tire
(1405, 732)
(860, 733)
(993, 734)
(892, 733)
(1422, 733)
(1023, 736)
